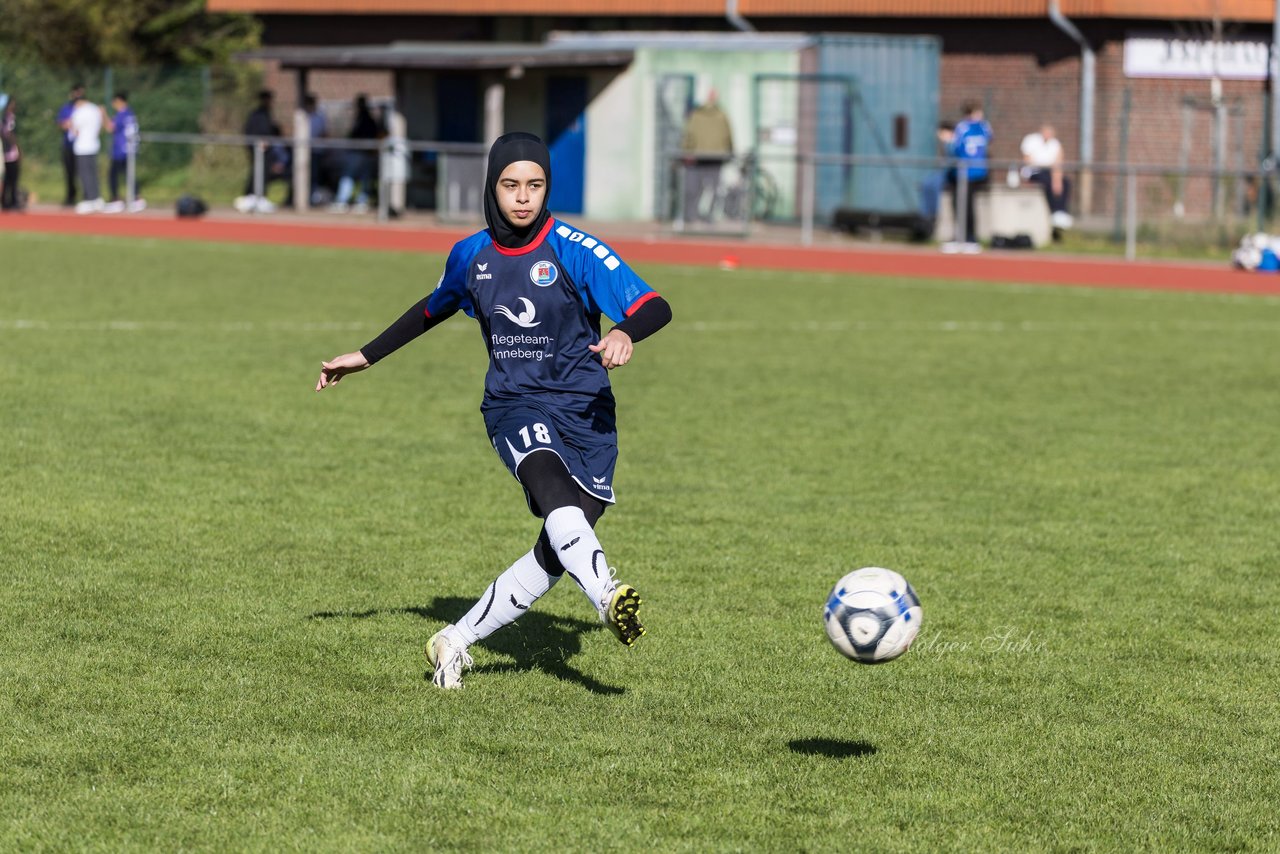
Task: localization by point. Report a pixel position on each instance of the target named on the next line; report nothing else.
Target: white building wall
(619, 141)
(622, 156)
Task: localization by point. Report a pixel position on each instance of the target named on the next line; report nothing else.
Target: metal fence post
(1265, 197)
(810, 169)
(1131, 216)
(682, 178)
(130, 176)
(961, 203)
(301, 165)
(384, 183)
(259, 164)
(398, 167)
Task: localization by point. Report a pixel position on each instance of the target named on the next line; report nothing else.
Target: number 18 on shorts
(588, 451)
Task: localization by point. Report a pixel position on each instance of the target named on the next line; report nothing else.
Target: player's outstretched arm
(339, 366)
(411, 324)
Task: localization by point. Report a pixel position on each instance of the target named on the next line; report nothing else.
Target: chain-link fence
(866, 144)
(790, 169)
(170, 100)
(260, 174)
(1014, 206)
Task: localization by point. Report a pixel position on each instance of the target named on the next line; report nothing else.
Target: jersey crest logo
(524, 318)
(543, 274)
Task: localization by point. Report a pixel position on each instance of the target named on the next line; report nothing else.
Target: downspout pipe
(1275, 85)
(739, 22)
(1088, 88)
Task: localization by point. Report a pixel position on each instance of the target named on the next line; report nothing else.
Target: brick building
(1153, 100)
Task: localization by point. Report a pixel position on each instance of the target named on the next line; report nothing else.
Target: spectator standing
(124, 141)
(969, 147)
(68, 148)
(275, 158)
(707, 146)
(10, 200)
(358, 163)
(87, 121)
(932, 185)
(1042, 158)
(318, 128)
(258, 123)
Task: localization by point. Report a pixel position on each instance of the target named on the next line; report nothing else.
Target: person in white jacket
(85, 127)
(1042, 163)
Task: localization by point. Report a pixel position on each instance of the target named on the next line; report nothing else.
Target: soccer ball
(872, 615)
(1246, 258)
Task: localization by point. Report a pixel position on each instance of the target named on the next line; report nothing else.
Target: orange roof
(1231, 10)
(472, 7)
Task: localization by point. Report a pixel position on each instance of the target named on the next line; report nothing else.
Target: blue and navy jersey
(64, 113)
(970, 146)
(539, 308)
(125, 137)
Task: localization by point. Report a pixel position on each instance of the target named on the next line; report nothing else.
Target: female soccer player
(537, 287)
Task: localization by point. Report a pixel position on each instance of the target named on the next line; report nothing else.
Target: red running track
(1010, 267)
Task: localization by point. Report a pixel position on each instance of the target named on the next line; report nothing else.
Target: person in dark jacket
(275, 160)
(68, 154)
(359, 164)
(12, 155)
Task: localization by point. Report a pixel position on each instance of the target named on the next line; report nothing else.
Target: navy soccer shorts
(586, 441)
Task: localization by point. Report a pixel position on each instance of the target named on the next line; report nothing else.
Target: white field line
(179, 326)
(981, 326)
(188, 245)
(694, 326)
(925, 283)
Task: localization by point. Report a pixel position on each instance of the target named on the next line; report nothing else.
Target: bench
(1002, 211)
(857, 220)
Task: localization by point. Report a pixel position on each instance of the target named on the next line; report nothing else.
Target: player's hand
(338, 367)
(614, 348)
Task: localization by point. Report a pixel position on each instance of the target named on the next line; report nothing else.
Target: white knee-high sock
(509, 596)
(579, 551)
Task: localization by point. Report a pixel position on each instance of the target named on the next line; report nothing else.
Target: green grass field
(218, 583)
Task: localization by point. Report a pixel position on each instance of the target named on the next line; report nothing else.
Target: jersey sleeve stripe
(641, 301)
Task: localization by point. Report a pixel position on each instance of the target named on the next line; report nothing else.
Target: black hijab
(507, 149)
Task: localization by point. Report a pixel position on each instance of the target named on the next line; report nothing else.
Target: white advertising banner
(1162, 56)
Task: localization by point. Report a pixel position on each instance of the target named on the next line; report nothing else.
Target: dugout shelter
(613, 105)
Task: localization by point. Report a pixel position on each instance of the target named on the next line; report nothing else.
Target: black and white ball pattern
(872, 615)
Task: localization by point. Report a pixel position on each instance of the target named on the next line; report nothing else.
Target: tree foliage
(78, 33)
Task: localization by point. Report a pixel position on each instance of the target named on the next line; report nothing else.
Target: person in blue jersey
(123, 127)
(970, 143)
(538, 288)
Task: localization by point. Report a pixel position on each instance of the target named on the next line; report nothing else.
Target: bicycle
(754, 185)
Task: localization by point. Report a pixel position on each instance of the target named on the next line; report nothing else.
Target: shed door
(674, 101)
(567, 139)
(457, 108)
(797, 117)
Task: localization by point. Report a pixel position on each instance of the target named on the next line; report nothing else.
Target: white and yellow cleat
(449, 660)
(620, 611)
